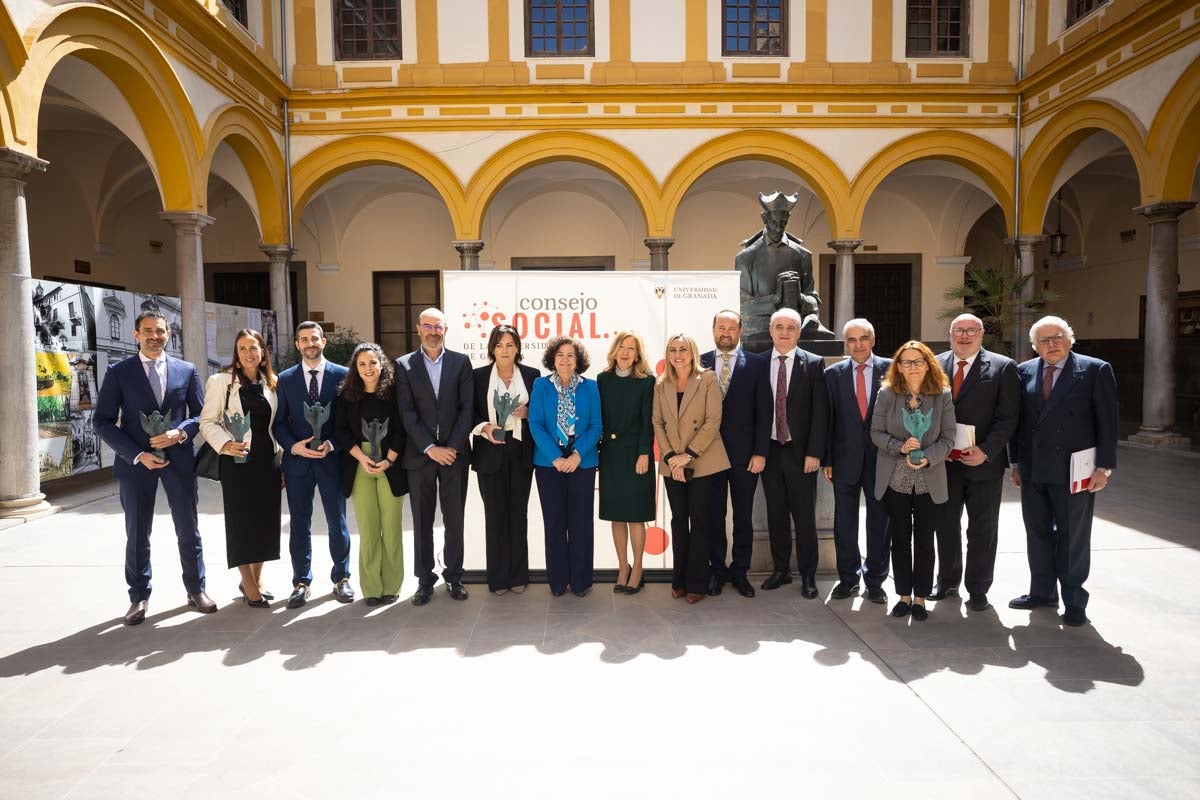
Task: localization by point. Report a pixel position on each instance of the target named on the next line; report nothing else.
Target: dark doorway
(399, 297)
(886, 292)
(249, 285)
(572, 263)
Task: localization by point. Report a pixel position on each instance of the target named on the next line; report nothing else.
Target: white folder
(1083, 464)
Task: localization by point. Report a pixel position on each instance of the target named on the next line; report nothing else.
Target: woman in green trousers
(370, 435)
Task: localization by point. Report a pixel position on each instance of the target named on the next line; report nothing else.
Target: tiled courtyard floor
(532, 696)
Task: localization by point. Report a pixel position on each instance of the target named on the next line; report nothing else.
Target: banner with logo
(592, 307)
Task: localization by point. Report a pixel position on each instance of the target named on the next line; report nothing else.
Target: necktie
(1048, 382)
(782, 434)
(312, 386)
(155, 383)
(860, 389)
(958, 378)
(723, 378)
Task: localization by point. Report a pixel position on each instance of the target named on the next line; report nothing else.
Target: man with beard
(434, 389)
(307, 467)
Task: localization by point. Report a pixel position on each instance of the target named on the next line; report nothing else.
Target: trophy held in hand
(155, 425)
(504, 404)
(316, 414)
(238, 425)
(374, 432)
(917, 423)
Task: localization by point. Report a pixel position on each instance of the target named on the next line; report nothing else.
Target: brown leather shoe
(202, 603)
(136, 614)
(678, 593)
(694, 598)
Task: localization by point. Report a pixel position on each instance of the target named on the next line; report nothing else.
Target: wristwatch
(1107, 472)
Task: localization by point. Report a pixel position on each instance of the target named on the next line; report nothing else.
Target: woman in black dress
(626, 444)
(250, 490)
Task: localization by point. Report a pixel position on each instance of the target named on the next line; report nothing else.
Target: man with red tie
(849, 463)
(987, 395)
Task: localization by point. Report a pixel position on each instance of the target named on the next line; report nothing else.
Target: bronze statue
(777, 272)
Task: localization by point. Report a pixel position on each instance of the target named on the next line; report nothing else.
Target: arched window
(366, 29)
(114, 327)
(937, 28)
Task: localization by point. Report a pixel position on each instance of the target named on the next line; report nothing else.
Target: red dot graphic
(483, 316)
(656, 540)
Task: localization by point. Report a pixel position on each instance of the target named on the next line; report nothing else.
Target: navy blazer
(126, 394)
(444, 420)
(1081, 412)
(849, 449)
(290, 425)
(746, 409)
(543, 411)
(989, 399)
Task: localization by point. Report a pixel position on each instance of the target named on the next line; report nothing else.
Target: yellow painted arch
(249, 138)
(13, 56)
(993, 166)
(1054, 143)
(117, 47)
(817, 169)
(1174, 141)
(327, 162)
(542, 148)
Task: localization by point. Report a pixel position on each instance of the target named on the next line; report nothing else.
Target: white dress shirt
(789, 364)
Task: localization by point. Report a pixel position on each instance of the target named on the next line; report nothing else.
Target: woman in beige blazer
(687, 425)
(250, 490)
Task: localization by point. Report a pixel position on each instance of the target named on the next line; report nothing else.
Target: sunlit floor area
(608, 696)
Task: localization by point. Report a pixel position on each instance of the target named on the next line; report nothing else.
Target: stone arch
(1054, 143)
(327, 162)
(13, 56)
(1174, 141)
(542, 148)
(128, 57)
(817, 169)
(991, 164)
(250, 139)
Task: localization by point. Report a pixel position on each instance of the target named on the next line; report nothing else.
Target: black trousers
(569, 512)
(1058, 538)
(505, 494)
(791, 500)
(845, 532)
(426, 486)
(691, 510)
(739, 487)
(982, 502)
(913, 518)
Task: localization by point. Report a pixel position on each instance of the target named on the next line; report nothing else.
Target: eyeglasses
(913, 364)
(968, 332)
(1057, 338)
(427, 328)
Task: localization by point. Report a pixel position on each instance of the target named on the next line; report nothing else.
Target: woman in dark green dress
(626, 479)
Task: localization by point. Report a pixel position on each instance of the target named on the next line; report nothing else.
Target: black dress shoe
(742, 585)
(457, 590)
(583, 593)
(978, 602)
(876, 595)
(776, 580)
(388, 599)
(918, 612)
(372, 601)
(202, 602)
(808, 588)
(342, 591)
(844, 590)
(901, 609)
(300, 595)
(1028, 602)
(558, 592)
(136, 614)
(422, 595)
(1074, 616)
(715, 584)
(942, 592)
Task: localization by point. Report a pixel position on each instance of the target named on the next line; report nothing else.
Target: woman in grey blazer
(910, 472)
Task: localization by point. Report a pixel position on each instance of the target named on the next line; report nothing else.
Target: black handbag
(208, 461)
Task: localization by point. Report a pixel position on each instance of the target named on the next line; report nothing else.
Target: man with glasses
(434, 389)
(1068, 404)
(987, 395)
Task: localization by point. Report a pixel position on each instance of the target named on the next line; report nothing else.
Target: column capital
(844, 246)
(468, 246)
(15, 164)
(1026, 240)
(658, 245)
(187, 221)
(277, 251)
(1165, 211)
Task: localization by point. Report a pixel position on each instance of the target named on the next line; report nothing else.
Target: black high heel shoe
(263, 592)
(261, 602)
(622, 588)
(635, 589)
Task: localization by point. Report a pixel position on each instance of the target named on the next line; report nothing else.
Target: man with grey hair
(987, 396)
(849, 463)
(1068, 404)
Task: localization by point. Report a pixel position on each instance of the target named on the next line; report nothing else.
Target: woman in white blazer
(249, 465)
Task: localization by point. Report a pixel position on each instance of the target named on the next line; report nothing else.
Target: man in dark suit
(746, 432)
(849, 463)
(308, 466)
(799, 426)
(434, 390)
(147, 383)
(1068, 404)
(987, 395)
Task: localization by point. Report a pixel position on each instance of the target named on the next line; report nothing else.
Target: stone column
(843, 303)
(281, 258)
(1162, 327)
(189, 278)
(20, 471)
(1026, 250)
(658, 253)
(468, 253)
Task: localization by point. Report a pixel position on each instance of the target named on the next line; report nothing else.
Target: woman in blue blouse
(564, 417)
